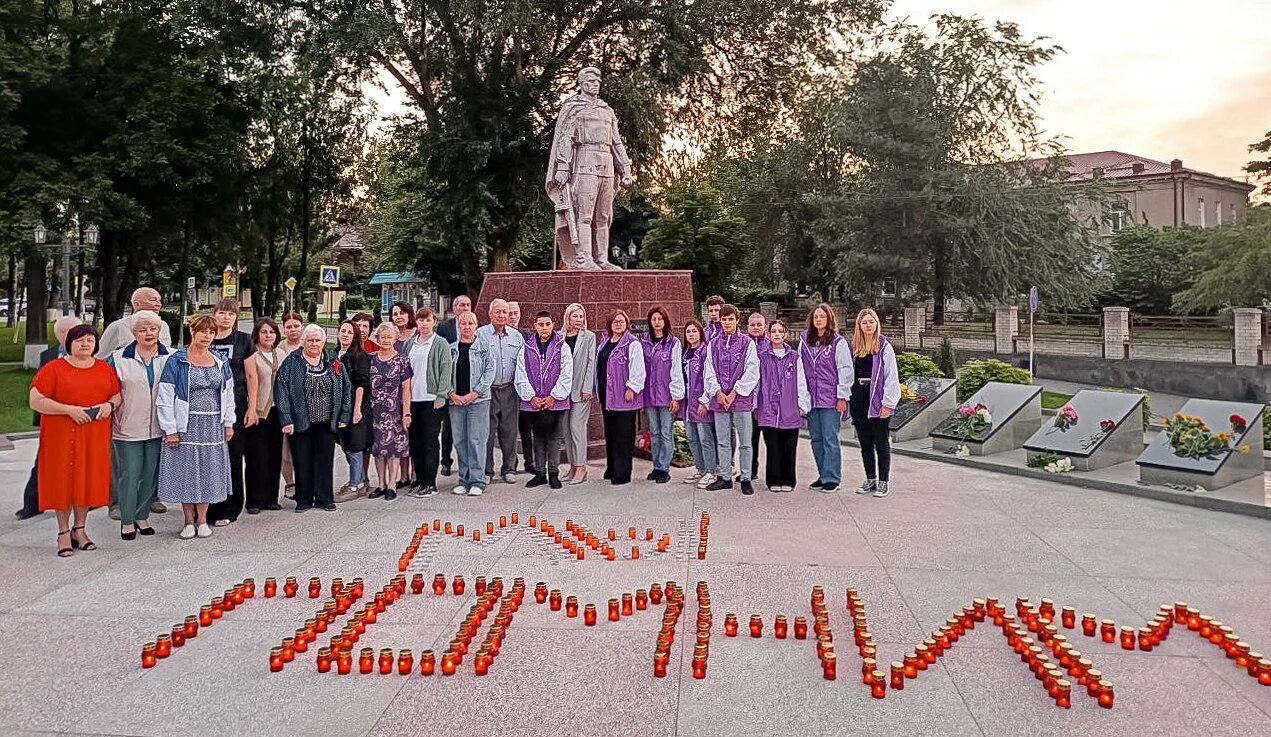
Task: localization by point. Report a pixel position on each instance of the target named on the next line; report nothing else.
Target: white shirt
(119, 334)
(745, 385)
(419, 366)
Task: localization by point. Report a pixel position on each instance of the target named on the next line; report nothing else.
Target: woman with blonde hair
(582, 344)
(875, 393)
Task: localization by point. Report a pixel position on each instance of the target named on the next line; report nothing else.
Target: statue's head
(589, 80)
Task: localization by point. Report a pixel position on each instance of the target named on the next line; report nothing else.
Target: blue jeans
(470, 426)
(356, 472)
(701, 440)
(661, 436)
(727, 423)
(823, 426)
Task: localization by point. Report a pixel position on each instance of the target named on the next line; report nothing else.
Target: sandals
(66, 552)
(86, 545)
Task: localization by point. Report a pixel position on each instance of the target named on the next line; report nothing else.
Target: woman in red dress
(75, 396)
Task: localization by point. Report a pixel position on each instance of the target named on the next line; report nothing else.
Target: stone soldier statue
(587, 155)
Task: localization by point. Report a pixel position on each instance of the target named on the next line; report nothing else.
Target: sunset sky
(1163, 79)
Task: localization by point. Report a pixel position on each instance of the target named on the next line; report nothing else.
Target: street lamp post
(90, 237)
(625, 257)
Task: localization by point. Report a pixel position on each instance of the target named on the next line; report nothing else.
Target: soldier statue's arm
(621, 162)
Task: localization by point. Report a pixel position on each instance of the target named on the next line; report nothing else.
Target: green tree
(695, 231)
(1261, 168)
(1149, 266)
(1233, 264)
(484, 83)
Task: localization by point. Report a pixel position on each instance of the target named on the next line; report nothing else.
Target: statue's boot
(604, 265)
(582, 263)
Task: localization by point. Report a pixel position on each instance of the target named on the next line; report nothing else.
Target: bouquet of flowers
(1066, 418)
(1063, 465)
(1189, 436)
(974, 420)
(1107, 426)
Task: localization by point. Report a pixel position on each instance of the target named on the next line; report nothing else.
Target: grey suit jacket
(584, 365)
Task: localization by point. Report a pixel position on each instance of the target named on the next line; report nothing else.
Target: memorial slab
(1015, 413)
(1163, 463)
(932, 400)
(1095, 429)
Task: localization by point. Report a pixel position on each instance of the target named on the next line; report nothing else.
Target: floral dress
(386, 406)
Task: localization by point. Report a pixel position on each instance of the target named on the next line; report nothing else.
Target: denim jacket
(481, 364)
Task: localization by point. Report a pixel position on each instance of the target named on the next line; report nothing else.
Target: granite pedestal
(1159, 464)
(1016, 411)
(1085, 443)
(916, 418)
(601, 293)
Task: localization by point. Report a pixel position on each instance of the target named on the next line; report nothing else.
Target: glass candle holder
(275, 660)
(162, 646)
(427, 663)
(628, 605)
(405, 662)
(344, 662)
(829, 666)
(191, 627)
(449, 663)
(1127, 638)
(911, 665)
(897, 676)
(756, 625)
(730, 625)
(554, 600)
(571, 607)
(178, 635)
(800, 628)
(324, 659)
(1108, 630)
(780, 627)
(315, 588)
(660, 661)
(613, 610)
(1105, 696)
(458, 585)
(290, 587)
(641, 599)
(921, 652)
(589, 615)
(540, 592)
(271, 588)
(1252, 666)
(148, 658)
(1264, 672)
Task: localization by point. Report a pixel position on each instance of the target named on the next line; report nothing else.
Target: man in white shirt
(430, 384)
(119, 333)
(506, 343)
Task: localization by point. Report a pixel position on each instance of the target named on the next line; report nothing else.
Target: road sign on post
(329, 277)
(1033, 297)
(229, 282)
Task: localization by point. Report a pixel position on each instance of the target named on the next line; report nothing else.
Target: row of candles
(1063, 665)
(623, 606)
(161, 647)
(342, 598)
(1219, 634)
(702, 644)
(666, 635)
(703, 534)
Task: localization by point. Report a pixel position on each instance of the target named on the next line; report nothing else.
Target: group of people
(225, 422)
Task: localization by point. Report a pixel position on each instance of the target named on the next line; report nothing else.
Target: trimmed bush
(311, 315)
(975, 374)
(915, 364)
(945, 360)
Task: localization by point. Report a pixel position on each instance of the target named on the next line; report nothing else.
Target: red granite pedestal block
(600, 293)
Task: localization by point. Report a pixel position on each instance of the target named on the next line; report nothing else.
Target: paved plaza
(72, 630)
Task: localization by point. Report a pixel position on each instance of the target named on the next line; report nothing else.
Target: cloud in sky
(1163, 79)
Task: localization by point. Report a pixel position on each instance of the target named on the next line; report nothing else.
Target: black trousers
(874, 435)
(425, 441)
(755, 436)
(783, 446)
(31, 494)
(233, 504)
(447, 440)
(313, 456)
(619, 445)
(546, 441)
(263, 456)
(525, 424)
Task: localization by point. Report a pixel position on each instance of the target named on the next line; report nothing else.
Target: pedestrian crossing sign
(329, 276)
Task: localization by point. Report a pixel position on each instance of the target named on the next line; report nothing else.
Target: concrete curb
(1159, 493)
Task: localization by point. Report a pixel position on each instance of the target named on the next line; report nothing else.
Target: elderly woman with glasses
(314, 398)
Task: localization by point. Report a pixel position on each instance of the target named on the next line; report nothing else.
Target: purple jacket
(539, 375)
(884, 381)
(731, 367)
(663, 379)
(623, 371)
(712, 331)
(828, 381)
(782, 392)
(694, 375)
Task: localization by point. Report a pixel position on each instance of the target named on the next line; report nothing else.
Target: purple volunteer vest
(694, 385)
(778, 400)
(822, 372)
(543, 371)
(728, 357)
(617, 371)
(712, 331)
(657, 371)
(877, 377)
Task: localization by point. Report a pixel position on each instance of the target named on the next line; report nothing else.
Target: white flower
(1063, 465)
(984, 415)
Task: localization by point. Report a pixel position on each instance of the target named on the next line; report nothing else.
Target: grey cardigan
(584, 365)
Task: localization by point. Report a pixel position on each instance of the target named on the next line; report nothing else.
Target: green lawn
(1054, 400)
(15, 413)
(11, 352)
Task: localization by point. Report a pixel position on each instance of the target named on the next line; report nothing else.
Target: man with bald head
(31, 495)
(119, 333)
(506, 343)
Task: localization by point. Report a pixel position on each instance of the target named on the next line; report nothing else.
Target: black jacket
(47, 356)
(449, 330)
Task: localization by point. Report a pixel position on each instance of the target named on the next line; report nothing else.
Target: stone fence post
(915, 321)
(1005, 327)
(1248, 337)
(768, 310)
(841, 319)
(1116, 332)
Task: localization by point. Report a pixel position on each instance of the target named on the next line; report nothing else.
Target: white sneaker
(459, 490)
(186, 533)
(706, 480)
(476, 491)
(881, 490)
(204, 530)
(693, 477)
(867, 487)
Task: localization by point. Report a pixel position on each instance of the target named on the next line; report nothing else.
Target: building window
(1200, 208)
(1119, 217)
(1233, 213)
(1217, 212)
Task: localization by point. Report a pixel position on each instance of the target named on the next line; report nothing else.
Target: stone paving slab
(73, 628)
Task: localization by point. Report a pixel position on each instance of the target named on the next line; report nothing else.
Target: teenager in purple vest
(781, 403)
(827, 363)
(875, 393)
(731, 375)
(663, 390)
(544, 380)
(757, 329)
(699, 422)
(713, 328)
(619, 384)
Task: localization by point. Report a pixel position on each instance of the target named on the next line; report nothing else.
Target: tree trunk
(940, 276)
(306, 184)
(11, 285)
(36, 268)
